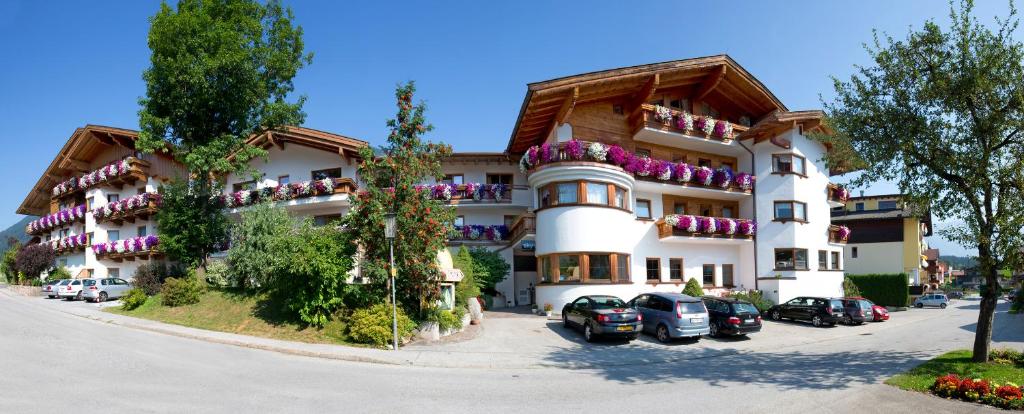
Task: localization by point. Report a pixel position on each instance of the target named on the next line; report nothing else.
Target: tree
(220, 72)
(693, 288)
(256, 239)
(850, 289)
(491, 268)
(391, 181)
(8, 265)
(34, 259)
(190, 225)
(468, 287)
(940, 113)
(310, 279)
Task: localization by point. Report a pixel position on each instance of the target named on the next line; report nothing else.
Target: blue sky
(69, 63)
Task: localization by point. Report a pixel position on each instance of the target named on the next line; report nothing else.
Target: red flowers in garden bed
(1007, 395)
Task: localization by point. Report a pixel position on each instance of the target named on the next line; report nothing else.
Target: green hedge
(883, 289)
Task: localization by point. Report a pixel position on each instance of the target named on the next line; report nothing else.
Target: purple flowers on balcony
(62, 217)
(69, 243)
(126, 206)
(703, 175)
(747, 227)
(744, 181)
(481, 232)
(133, 245)
(711, 225)
(442, 191)
(843, 233)
(839, 193)
(574, 149)
(323, 186)
(107, 172)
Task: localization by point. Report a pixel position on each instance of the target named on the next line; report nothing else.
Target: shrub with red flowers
(946, 385)
(1007, 395)
(1009, 392)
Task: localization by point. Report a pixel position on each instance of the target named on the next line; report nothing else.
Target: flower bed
(480, 232)
(69, 243)
(691, 124)
(325, 186)
(126, 207)
(140, 244)
(699, 225)
(637, 165)
(99, 176)
(1008, 395)
(60, 218)
(474, 191)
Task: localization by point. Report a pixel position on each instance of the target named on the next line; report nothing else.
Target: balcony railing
(471, 192)
(305, 189)
(115, 174)
(480, 233)
(641, 167)
(672, 120)
(128, 249)
(525, 224)
(63, 217)
(838, 234)
(138, 206)
(710, 227)
(69, 244)
(837, 193)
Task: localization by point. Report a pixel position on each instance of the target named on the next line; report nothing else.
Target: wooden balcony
(138, 170)
(838, 234)
(524, 225)
(649, 118)
(60, 251)
(482, 234)
(837, 195)
(287, 192)
(743, 230)
(139, 213)
(131, 256)
(461, 195)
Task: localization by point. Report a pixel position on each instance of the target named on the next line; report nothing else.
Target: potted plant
(548, 309)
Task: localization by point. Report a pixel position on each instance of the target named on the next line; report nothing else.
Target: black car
(819, 311)
(599, 315)
(729, 316)
(857, 310)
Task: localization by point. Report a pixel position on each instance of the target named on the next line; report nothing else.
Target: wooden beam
(563, 112)
(710, 83)
(643, 95)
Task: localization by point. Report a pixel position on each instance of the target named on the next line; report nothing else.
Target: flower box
(477, 232)
(55, 220)
(128, 248)
(140, 206)
(69, 244)
(304, 189)
(681, 122)
(129, 169)
(712, 227)
(477, 192)
(838, 234)
(837, 193)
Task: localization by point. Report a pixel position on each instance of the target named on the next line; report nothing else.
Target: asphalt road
(54, 362)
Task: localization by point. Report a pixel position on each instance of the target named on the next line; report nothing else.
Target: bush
(850, 289)
(883, 289)
(217, 274)
(446, 320)
(58, 273)
(490, 268)
(133, 299)
(150, 278)
(315, 263)
(755, 297)
(1007, 395)
(34, 259)
(693, 288)
(179, 292)
(256, 242)
(373, 325)
(468, 287)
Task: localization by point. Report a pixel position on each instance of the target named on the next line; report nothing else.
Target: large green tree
(391, 180)
(941, 113)
(220, 72)
(256, 238)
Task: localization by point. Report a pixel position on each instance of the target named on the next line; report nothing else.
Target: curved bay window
(583, 267)
(582, 192)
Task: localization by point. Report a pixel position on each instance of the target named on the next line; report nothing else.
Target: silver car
(50, 288)
(72, 290)
(670, 315)
(932, 299)
(99, 290)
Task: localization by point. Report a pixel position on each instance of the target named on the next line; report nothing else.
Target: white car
(72, 290)
(932, 299)
(50, 288)
(99, 290)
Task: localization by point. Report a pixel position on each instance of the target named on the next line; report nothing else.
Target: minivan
(670, 315)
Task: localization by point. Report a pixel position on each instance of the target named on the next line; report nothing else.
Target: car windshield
(63, 282)
(76, 282)
(864, 304)
(606, 302)
(836, 304)
(741, 307)
(89, 282)
(692, 307)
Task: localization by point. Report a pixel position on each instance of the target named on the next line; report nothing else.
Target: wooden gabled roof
(339, 144)
(778, 122)
(718, 80)
(74, 159)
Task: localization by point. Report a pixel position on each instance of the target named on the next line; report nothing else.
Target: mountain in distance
(959, 262)
(16, 230)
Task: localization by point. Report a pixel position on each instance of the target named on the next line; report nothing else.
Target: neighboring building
(886, 237)
(96, 200)
(648, 176)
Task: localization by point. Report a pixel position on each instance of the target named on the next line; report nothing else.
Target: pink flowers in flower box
(711, 225)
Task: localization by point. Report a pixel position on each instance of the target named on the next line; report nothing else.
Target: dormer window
(789, 164)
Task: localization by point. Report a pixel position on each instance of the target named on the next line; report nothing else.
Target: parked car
(50, 288)
(729, 316)
(932, 299)
(819, 311)
(955, 294)
(878, 313)
(72, 290)
(856, 311)
(600, 315)
(668, 315)
(99, 290)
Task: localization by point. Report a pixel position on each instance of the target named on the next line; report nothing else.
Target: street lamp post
(389, 233)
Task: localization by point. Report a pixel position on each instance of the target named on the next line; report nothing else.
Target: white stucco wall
(297, 162)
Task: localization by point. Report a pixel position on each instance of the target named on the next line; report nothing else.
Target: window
(460, 220)
(728, 165)
(675, 269)
(113, 198)
(835, 261)
(703, 162)
(643, 209)
(887, 205)
(853, 252)
(600, 266)
(788, 163)
(653, 265)
(679, 208)
(567, 193)
(822, 260)
(113, 235)
(597, 193)
(620, 198)
(569, 268)
(89, 203)
(141, 231)
(283, 180)
(727, 212)
(727, 279)
(320, 221)
(544, 195)
(790, 259)
(499, 179)
(457, 179)
(705, 210)
(545, 269)
(246, 185)
(523, 263)
(622, 267)
(859, 206)
(113, 272)
(709, 275)
(644, 152)
(326, 173)
(790, 210)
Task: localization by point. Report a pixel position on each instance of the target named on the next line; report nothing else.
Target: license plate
(696, 320)
(748, 321)
(624, 328)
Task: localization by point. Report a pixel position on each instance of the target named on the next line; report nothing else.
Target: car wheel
(776, 316)
(714, 330)
(102, 298)
(919, 305)
(588, 332)
(663, 335)
(942, 305)
(816, 321)
(78, 296)
(565, 320)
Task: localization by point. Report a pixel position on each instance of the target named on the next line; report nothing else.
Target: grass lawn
(227, 311)
(923, 376)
